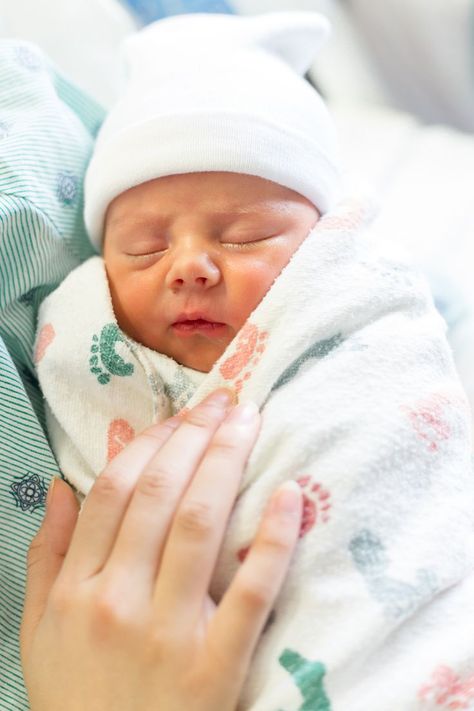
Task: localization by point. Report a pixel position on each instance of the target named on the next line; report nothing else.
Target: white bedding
(424, 178)
(423, 50)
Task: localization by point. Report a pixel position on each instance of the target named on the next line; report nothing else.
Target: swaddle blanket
(361, 405)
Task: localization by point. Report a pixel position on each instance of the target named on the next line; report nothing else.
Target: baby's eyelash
(241, 245)
(231, 245)
(146, 254)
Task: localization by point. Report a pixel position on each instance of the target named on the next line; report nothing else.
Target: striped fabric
(47, 127)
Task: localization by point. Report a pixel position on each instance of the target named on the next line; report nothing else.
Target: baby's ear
(295, 37)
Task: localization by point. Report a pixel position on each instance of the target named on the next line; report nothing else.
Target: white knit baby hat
(212, 92)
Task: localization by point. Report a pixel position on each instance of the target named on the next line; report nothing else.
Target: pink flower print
(250, 346)
(316, 504)
(45, 337)
(448, 690)
(119, 434)
(429, 420)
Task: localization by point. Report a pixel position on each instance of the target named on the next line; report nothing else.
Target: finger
(106, 503)
(241, 615)
(145, 526)
(46, 556)
(198, 528)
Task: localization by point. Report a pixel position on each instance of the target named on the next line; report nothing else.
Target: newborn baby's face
(188, 258)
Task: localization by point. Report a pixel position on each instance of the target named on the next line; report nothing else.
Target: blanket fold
(347, 358)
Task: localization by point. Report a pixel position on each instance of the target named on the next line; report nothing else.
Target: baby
(228, 259)
(190, 256)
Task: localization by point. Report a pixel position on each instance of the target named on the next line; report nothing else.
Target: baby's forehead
(220, 196)
(155, 216)
(237, 188)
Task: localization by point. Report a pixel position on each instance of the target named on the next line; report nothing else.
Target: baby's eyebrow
(244, 211)
(139, 219)
(264, 210)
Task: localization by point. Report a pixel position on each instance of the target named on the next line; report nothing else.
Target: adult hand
(117, 614)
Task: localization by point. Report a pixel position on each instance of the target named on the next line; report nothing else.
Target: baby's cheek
(130, 304)
(251, 285)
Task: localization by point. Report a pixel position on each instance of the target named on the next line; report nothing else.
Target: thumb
(45, 556)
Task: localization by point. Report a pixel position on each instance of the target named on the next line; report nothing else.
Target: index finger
(107, 501)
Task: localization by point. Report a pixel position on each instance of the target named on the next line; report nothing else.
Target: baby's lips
(195, 315)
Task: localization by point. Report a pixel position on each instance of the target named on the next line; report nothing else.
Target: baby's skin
(188, 257)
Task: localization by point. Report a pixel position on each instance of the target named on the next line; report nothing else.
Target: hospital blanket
(347, 359)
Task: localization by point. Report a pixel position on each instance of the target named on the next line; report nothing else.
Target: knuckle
(157, 434)
(256, 595)
(223, 446)
(155, 483)
(275, 543)
(109, 485)
(153, 436)
(108, 610)
(159, 646)
(196, 518)
(204, 416)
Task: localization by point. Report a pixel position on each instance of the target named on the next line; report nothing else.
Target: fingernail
(221, 398)
(288, 498)
(243, 414)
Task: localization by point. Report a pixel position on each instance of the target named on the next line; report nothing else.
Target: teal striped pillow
(47, 129)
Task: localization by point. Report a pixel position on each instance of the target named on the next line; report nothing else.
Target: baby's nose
(193, 271)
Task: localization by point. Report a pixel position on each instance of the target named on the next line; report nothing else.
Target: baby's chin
(203, 361)
(197, 352)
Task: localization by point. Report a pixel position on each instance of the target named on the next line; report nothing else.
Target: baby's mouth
(187, 327)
